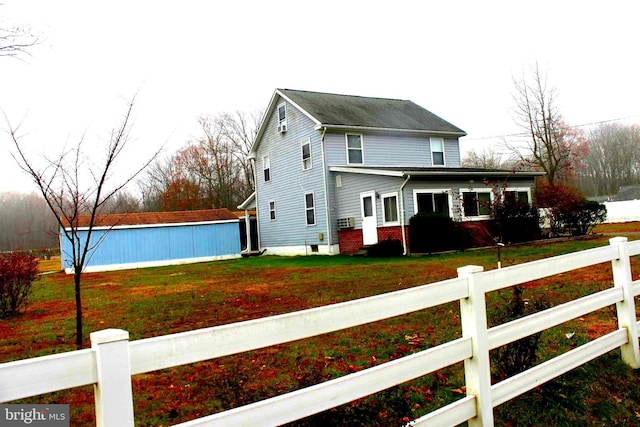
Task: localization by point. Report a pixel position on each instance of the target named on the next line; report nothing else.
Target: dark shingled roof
(148, 218)
(448, 172)
(357, 111)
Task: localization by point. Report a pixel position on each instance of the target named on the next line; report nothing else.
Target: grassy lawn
(159, 301)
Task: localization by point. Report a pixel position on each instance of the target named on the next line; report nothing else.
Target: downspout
(252, 159)
(326, 190)
(402, 221)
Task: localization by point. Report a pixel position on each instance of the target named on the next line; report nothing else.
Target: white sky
(190, 58)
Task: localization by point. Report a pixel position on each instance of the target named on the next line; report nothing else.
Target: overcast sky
(185, 59)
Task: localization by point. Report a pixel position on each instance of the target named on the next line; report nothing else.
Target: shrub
(581, 220)
(569, 212)
(520, 355)
(17, 272)
(515, 221)
(430, 233)
(386, 248)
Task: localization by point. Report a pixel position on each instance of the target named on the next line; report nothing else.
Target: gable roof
(348, 112)
(155, 218)
(333, 110)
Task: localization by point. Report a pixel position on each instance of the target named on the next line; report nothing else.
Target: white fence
(623, 211)
(112, 359)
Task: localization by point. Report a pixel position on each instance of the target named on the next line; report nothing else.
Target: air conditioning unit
(348, 222)
(282, 127)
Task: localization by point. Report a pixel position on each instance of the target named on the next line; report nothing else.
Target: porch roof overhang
(249, 203)
(400, 172)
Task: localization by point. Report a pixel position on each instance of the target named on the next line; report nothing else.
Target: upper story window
(306, 154)
(476, 203)
(354, 149)
(437, 151)
(272, 210)
(282, 117)
(266, 168)
(390, 208)
(310, 208)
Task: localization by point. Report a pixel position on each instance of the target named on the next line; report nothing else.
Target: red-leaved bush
(17, 273)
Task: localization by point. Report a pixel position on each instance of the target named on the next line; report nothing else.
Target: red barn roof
(147, 218)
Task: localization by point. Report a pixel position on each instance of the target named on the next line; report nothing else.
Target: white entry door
(369, 220)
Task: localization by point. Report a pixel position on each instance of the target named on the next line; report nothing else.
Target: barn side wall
(136, 247)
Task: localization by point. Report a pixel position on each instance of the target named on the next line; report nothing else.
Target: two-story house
(336, 172)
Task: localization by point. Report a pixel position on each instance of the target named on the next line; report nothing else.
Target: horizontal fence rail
(113, 359)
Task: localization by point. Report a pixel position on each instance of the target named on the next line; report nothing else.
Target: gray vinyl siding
(452, 153)
(347, 198)
(387, 149)
(289, 182)
(346, 201)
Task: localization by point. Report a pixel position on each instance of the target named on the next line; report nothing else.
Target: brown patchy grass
(50, 265)
(619, 227)
(159, 301)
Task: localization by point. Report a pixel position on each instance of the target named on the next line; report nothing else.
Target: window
(306, 155)
(519, 196)
(476, 203)
(354, 149)
(390, 205)
(272, 210)
(437, 151)
(310, 209)
(266, 168)
(282, 114)
(436, 202)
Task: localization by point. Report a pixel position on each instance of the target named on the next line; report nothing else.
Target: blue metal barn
(151, 239)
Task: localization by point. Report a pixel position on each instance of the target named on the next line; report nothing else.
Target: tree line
(211, 171)
(606, 159)
(26, 222)
(597, 161)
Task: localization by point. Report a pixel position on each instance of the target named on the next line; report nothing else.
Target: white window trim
(306, 142)
(274, 210)
(282, 104)
(346, 142)
(306, 208)
(474, 217)
(448, 191)
(266, 159)
(444, 157)
(384, 211)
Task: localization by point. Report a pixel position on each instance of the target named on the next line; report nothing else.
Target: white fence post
(113, 394)
(477, 369)
(626, 308)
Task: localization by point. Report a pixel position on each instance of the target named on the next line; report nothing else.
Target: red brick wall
(350, 240)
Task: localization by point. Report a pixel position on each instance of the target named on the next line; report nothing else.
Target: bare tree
(211, 171)
(16, 40)
(156, 179)
(486, 159)
(73, 186)
(552, 146)
(122, 202)
(613, 159)
(241, 129)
